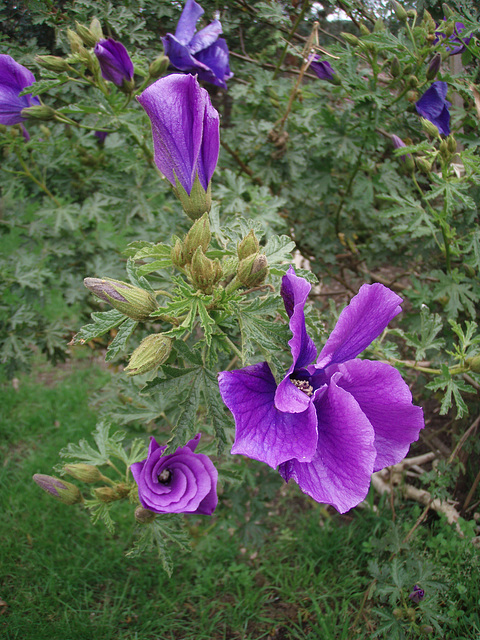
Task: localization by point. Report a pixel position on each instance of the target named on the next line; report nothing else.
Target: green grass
(64, 579)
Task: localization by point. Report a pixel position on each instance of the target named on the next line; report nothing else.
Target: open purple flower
(453, 43)
(322, 68)
(331, 424)
(14, 78)
(434, 106)
(115, 63)
(181, 482)
(185, 129)
(202, 53)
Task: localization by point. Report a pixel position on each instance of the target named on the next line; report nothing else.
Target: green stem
(38, 182)
(436, 219)
(234, 347)
(290, 35)
(110, 464)
(454, 370)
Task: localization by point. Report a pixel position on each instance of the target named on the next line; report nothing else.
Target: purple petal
(434, 107)
(339, 473)
(181, 121)
(115, 63)
(186, 24)
(262, 431)
(192, 444)
(398, 143)
(208, 158)
(180, 56)
(215, 59)
(205, 37)
(322, 68)
(294, 291)
(385, 399)
(363, 320)
(14, 78)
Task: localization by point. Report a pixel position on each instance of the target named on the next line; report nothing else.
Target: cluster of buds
(253, 265)
(190, 255)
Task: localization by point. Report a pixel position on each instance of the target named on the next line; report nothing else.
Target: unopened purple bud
(132, 301)
(64, 491)
(417, 594)
(434, 66)
(115, 63)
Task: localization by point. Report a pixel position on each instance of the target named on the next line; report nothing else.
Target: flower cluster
(331, 424)
(202, 53)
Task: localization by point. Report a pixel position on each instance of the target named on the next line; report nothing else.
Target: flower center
(165, 476)
(304, 386)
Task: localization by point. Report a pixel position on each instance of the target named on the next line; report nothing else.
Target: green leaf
(452, 388)
(164, 535)
(256, 328)
(207, 322)
(106, 445)
(430, 326)
(100, 511)
(120, 341)
(103, 322)
(279, 249)
(221, 420)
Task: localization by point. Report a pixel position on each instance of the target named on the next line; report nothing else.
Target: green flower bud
(52, 63)
(474, 363)
(449, 29)
(447, 12)
(76, 44)
(158, 67)
(395, 68)
(411, 13)
(84, 472)
(412, 96)
(144, 516)
(150, 354)
(198, 202)
(248, 246)
(429, 22)
(198, 236)
(350, 38)
(106, 494)
(399, 11)
(63, 491)
(424, 165)
(178, 254)
(204, 273)
(46, 133)
(38, 112)
(128, 86)
(132, 301)
(451, 144)
(364, 30)
(86, 35)
(413, 82)
(409, 162)
(444, 152)
(434, 66)
(96, 29)
(429, 128)
(253, 270)
(379, 26)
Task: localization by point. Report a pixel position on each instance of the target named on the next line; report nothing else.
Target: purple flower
(417, 594)
(202, 53)
(14, 78)
(185, 129)
(434, 107)
(331, 424)
(115, 62)
(453, 44)
(322, 68)
(182, 482)
(101, 136)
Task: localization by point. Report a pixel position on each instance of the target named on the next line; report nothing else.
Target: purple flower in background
(181, 482)
(115, 63)
(331, 424)
(185, 129)
(14, 78)
(202, 53)
(453, 43)
(101, 135)
(322, 68)
(434, 107)
(417, 594)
